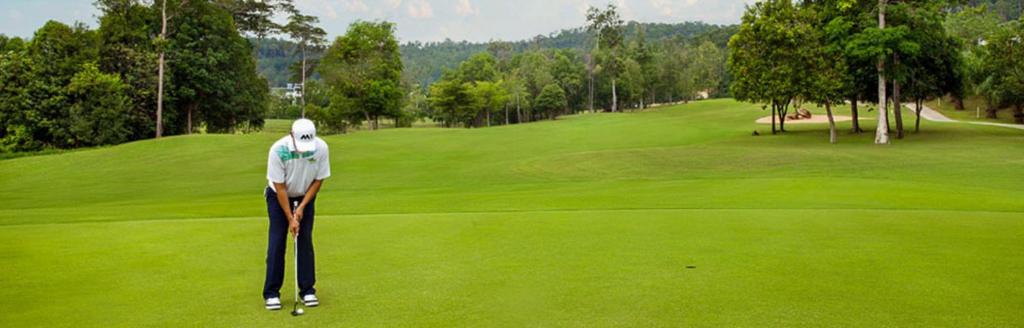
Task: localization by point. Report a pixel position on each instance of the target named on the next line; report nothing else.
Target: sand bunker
(813, 119)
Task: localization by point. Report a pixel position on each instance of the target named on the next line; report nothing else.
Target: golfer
(296, 168)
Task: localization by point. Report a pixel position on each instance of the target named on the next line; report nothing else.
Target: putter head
(297, 312)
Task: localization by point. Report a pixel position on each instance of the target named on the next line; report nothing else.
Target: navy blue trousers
(277, 244)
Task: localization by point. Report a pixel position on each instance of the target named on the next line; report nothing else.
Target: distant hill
(425, 61)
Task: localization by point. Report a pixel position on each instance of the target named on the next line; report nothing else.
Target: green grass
(590, 220)
(973, 108)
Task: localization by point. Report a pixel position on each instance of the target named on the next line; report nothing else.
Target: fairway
(674, 216)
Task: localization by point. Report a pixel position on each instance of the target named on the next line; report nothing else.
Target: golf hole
(691, 266)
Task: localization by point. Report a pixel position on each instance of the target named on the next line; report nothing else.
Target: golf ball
(299, 311)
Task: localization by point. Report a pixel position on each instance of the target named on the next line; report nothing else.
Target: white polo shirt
(297, 170)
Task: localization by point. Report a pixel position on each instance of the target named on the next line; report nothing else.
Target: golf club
(296, 311)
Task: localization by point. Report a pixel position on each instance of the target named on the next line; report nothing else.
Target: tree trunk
(897, 108)
(519, 111)
(882, 131)
(831, 123)
(773, 117)
(854, 116)
(188, 121)
(917, 109)
(506, 113)
(590, 71)
(160, 73)
(1018, 114)
(302, 96)
(615, 97)
(958, 103)
(783, 109)
(369, 123)
(488, 118)
(991, 110)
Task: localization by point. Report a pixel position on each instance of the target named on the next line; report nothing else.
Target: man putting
(296, 167)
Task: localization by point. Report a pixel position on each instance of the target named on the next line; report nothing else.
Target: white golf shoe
(273, 303)
(310, 300)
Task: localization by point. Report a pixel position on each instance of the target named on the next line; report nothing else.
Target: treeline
(150, 69)
(506, 84)
(877, 51)
(426, 61)
(70, 86)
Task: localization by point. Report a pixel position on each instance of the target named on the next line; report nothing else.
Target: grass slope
(590, 220)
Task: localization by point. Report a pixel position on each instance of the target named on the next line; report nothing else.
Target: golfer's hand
(298, 213)
(293, 227)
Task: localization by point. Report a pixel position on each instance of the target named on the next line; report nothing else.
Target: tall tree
(882, 129)
(766, 56)
(215, 84)
(255, 17)
(363, 68)
(57, 52)
(126, 49)
(307, 35)
(165, 19)
(609, 28)
(488, 97)
(1005, 68)
(18, 120)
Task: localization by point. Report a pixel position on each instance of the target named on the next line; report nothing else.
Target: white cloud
(329, 11)
(464, 8)
(420, 9)
(357, 6)
(393, 4)
(322, 8)
(664, 7)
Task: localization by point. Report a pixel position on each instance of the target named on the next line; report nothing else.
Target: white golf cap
(304, 133)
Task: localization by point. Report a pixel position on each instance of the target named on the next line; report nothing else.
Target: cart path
(933, 115)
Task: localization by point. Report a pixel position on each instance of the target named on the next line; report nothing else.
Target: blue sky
(423, 20)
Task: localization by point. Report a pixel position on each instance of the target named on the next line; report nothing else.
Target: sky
(423, 20)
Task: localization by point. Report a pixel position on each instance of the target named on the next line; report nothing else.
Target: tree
(99, 108)
(451, 101)
(569, 72)
(608, 26)
(1005, 70)
(882, 129)
(934, 70)
(215, 84)
(479, 67)
(766, 56)
(363, 69)
(643, 55)
(303, 31)
(488, 97)
(516, 88)
(972, 26)
(825, 54)
(126, 49)
(256, 16)
(56, 53)
(551, 102)
(161, 43)
(18, 118)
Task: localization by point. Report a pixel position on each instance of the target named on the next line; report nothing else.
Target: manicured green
(588, 220)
